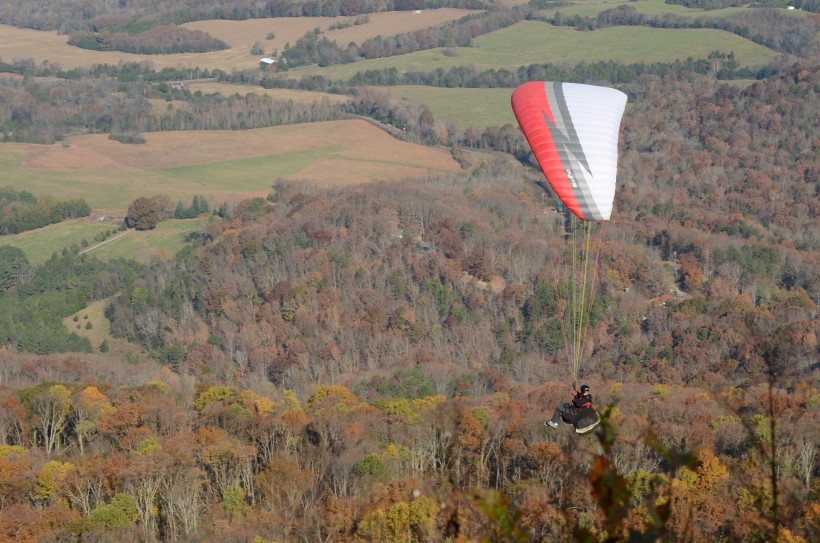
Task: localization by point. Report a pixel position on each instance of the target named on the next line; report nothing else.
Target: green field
(116, 189)
(465, 108)
(163, 241)
(649, 7)
(249, 174)
(40, 244)
(533, 42)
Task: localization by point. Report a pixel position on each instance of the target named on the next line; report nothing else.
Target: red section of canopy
(532, 109)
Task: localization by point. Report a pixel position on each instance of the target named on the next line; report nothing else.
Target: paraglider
(573, 131)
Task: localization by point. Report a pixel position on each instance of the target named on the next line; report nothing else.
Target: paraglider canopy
(573, 132)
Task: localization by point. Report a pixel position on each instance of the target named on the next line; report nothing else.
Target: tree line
(769, 27)
(138, 16)
(313, 48)
(159, 40)
(47, 110)
(21, 211)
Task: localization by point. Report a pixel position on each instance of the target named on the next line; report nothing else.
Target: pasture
(164, 241)
(648, 7)
(479, 108)
(41, 243)
(239, 35)
(533, 42)
(222, 165)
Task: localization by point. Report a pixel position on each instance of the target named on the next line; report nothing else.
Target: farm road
(118, 236)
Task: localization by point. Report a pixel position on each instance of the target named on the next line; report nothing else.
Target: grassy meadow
(163, 241)
(221, 165)
(465, 108)
(40, 244)
(648, 7)
(533, 42)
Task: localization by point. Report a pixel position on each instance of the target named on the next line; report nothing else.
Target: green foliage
(148, 446)
(12, 262)
(120, 512)
(131, 138)
(549, 336)
(234, 501)
(21, 211)
(761, 427)
(31, 313)
(199, 206)
(171, 355)
(372, 466)
(406, 384)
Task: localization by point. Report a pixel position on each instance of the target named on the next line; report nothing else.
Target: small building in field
(266, 61)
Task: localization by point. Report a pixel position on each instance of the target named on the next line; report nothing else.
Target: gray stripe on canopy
(570, 151)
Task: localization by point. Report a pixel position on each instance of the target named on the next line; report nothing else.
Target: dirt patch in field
(240, 35)
(365, 153)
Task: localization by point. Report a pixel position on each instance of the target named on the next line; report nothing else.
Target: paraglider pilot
(581, 399)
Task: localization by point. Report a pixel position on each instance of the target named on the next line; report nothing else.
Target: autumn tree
(50, 406)
(142, 214)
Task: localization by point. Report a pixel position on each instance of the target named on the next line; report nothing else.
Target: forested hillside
(368, 364)
(375, 363)
(698, 212)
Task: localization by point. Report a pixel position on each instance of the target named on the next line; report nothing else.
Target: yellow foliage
(403, 522)
(264, 406)
(292, 401)
(340, 394)
(429, 401)
(660, 390)
(61, 397)
(12, 452)
(786, 536)
(159, 386)
(247, 396)
(148, 446)
(711, 472)
(50, 478)
(685, 480)
(213, 394)
(391, 451)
